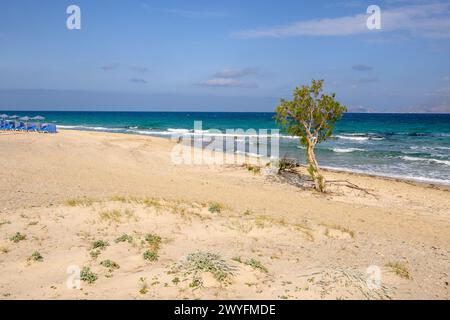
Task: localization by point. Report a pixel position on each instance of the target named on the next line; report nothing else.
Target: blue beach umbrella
(26, 119)
(38, 119)
(14, 117)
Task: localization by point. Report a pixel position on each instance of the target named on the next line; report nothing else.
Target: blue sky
(222, 55)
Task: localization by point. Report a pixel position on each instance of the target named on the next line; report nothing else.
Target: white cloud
(424, 20)
(227, 82)
(231, 78)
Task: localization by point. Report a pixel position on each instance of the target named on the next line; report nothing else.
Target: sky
(208, 55)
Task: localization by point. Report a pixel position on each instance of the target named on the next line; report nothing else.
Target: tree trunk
(313, 168)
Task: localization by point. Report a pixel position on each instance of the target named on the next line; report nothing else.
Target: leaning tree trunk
(313, 168)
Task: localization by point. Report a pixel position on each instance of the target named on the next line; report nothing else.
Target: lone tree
(311, 115)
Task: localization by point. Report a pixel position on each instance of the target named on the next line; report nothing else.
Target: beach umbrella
(3, 116)
(38, 119)
(14, 117)
(26, 119)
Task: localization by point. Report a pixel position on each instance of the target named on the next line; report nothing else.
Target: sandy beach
(83, 198)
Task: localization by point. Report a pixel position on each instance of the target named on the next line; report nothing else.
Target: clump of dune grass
(196, 263)
(4, 222)
(400, 269)
(255, 264)
(307, 231)
(100, 244)
(350, 232)
(143, 285)
(111, 265)
(97, 248)
(124, 238)
(36, 256)
(79, 202)
(150, 255)
(153, 240)
(151, 202)
(87, 275)
(18, 237)
(116, 215)
(215, 207)
(252, 168)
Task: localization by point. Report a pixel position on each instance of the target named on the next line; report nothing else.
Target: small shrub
(153, 240)
(400, 269)
(255, 264)
(237, 259)
(100, 244)
(36, 256)
(144, 286)
(215, 207)
(83, 202)
(150, 255)
(87, 275)
(196, 263)
(95, 253)
(124, 238)
(254, 169)
(18, 237)
(176, 280)
(110, 264)
(286, 165)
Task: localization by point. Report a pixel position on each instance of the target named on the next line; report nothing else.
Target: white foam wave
(346, 150)
(444, 162)
(353, 138)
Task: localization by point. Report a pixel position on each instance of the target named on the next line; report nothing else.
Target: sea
(407, 146)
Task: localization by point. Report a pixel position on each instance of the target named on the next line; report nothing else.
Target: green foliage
(110, 264)
(286, 165)
(176, 280)
(124, 238)
(144, 286)
(150, 255)
(153, 240)
(87, 275)
(100, 244)
(255, 264)
(36, 256)
(215, 207)
(311, 115)
(18, 237)
(199, 262)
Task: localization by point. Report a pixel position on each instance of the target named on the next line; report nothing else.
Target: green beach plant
(36, 256)
(18, 237)
(215, 207)
(311, 115)
(87, 275)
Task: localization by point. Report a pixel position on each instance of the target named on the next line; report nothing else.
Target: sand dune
(260, 237)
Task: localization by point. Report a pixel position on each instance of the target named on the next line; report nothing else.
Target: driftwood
(351, 185)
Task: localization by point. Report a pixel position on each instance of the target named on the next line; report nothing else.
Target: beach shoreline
(66, 191)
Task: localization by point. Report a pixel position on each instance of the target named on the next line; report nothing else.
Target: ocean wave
(352, 137)
(81, 127)
(346, 150)
(391, 175)
(444, 162)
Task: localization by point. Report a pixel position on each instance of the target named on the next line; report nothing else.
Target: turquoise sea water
(412, 146)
